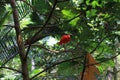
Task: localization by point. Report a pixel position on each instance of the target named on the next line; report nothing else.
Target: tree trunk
(25, 70)
(20, 42)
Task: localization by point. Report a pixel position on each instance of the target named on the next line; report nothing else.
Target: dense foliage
(94, 26)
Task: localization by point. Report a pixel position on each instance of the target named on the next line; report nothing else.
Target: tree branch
(49, 17)
(72, 18)
(53, 51)
(55, 65)
(84, 66)
(12, 69)
(99, 43)
(20, 42)
(104, 60)
(71, 60)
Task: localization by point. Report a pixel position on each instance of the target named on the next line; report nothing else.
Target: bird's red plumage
(64, 39)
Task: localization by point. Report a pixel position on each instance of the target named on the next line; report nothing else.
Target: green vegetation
(31, 29)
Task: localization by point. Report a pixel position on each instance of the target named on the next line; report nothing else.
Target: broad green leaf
(68, 14)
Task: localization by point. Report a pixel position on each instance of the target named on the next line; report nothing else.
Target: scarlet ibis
(64, 39)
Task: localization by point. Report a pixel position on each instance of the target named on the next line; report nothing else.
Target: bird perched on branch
(64, 39)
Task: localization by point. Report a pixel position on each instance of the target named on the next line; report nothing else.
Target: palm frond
(23, 9)
(4, 17)
(8, 46)
(2, 12)
(2, 9)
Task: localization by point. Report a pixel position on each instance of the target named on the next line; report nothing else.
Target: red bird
(64, 39)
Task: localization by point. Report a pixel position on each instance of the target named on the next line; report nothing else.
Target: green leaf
(106, 64)
(68, 14)
(91, 13)
(41, 5)
(74, 21)
(66, 69)
(110, 63)
(100, 68)
(5, 17)
(35, 71)
(95, 3)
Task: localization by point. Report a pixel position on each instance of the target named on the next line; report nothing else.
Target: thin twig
(49, 17)
(104, 60)
(71, 60)
(99, 44)
(72, 18)
(84, 66)
(53, 51)
(11, 69)
(55, 65)
(41, 26)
